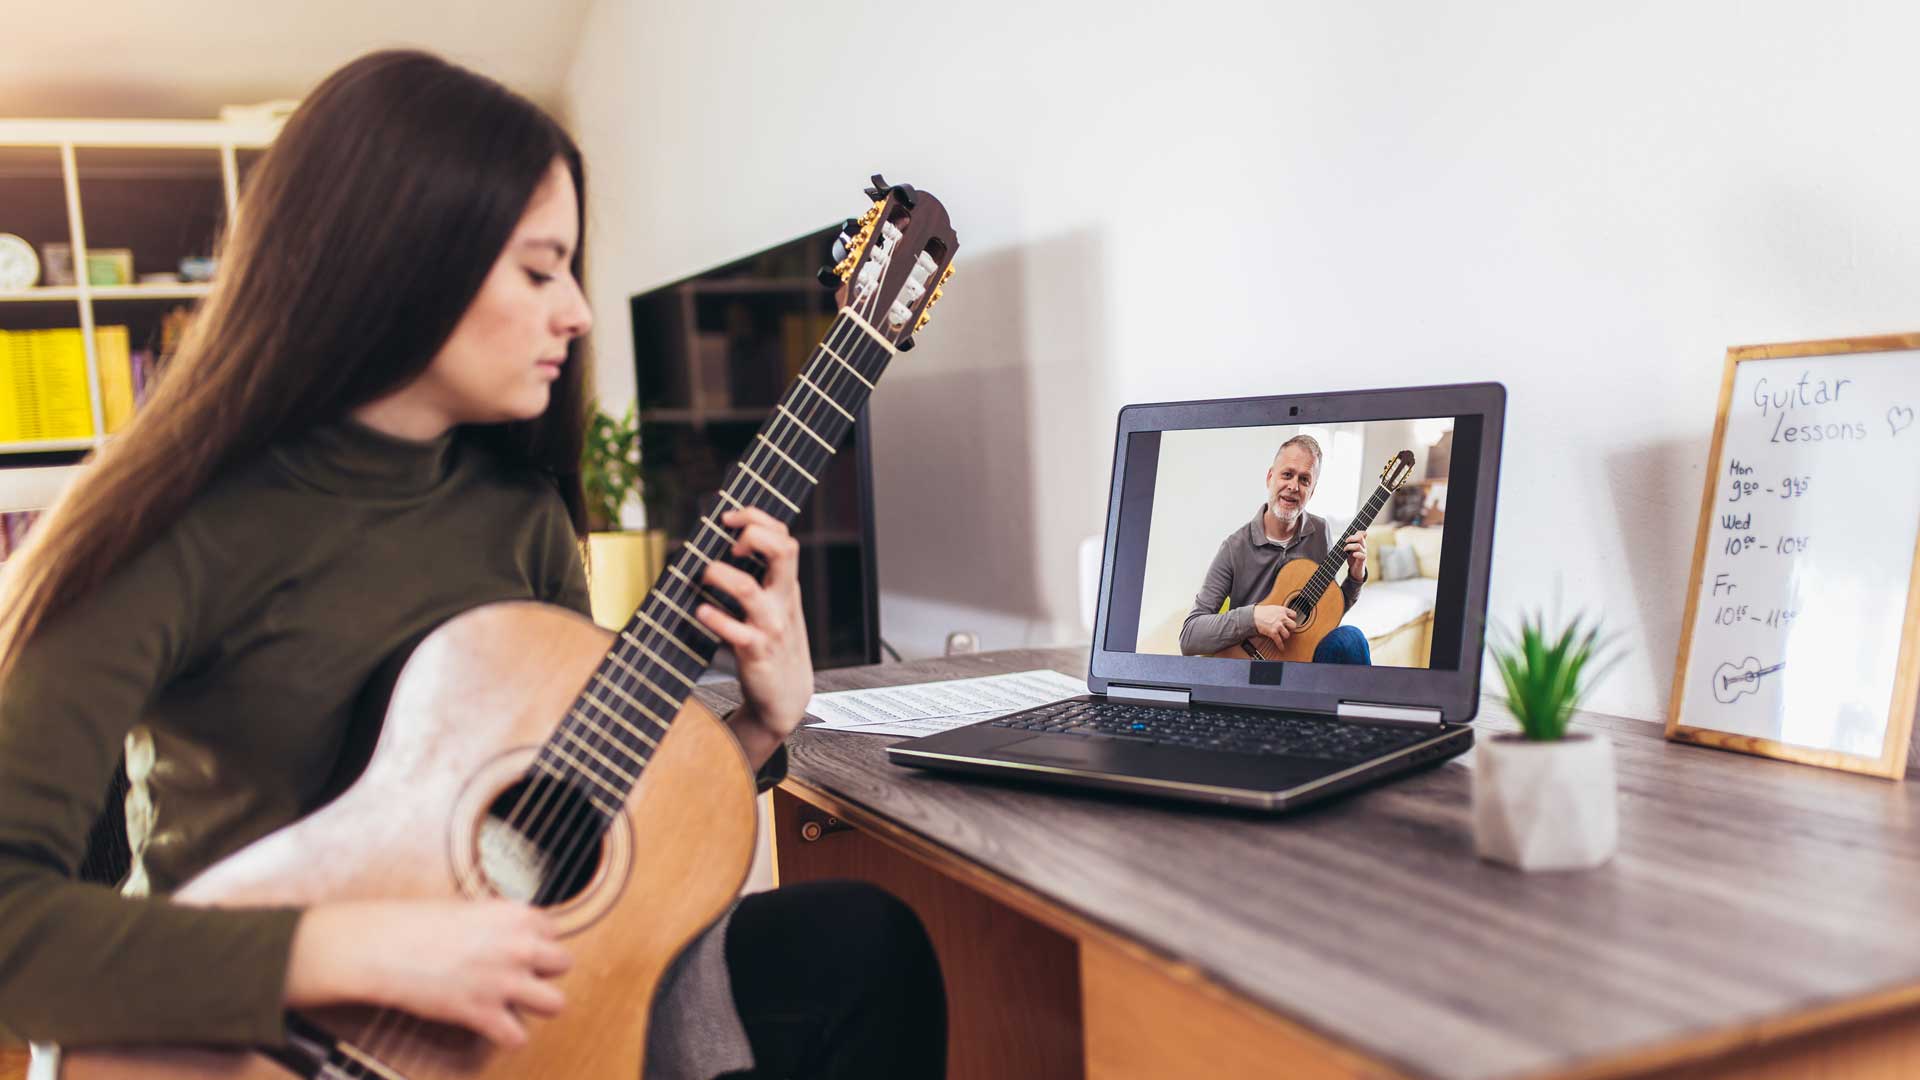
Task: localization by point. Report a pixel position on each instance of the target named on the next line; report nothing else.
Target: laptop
(1236, 659)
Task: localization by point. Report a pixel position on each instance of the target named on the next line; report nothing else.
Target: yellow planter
(623, 567)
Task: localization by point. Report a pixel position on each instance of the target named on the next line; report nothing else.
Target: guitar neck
(1336, 555)
(609, 734)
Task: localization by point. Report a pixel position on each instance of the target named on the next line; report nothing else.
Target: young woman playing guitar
(374, 426)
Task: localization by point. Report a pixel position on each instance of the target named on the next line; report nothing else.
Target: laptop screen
(1236, 528)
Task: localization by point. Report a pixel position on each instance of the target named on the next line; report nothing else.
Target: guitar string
(390, 1027)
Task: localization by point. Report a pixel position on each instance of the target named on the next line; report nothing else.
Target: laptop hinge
(1407, 715)
(1148, 695)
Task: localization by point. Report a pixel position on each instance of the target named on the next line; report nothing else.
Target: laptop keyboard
(1231, 730)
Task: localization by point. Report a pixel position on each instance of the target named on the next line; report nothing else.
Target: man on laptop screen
(1231, 607)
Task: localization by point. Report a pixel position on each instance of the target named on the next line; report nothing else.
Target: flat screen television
(712, 355)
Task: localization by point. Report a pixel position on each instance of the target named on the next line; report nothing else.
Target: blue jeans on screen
(1346, 645)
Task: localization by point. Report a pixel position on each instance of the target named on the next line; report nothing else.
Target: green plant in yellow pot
(624, 555)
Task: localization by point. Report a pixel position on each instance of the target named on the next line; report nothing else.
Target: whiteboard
(1797, 636)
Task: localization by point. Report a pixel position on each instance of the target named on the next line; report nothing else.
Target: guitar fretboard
(604, 743)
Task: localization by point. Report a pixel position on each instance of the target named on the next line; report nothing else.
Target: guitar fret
(824, 347)
(593, 797)
(722, 533)
(597, 755)
(616, 717)
(581, 770)
(791, 505)
(684, 647)
(811, 479)
(691, 621)
(704, 592)
(682, 575)
(811, 385)
(626, 727)
(635, 702)
(677, 673)
(803, 427)
(651, 685)
(854, 317)
(361, 1059)
(749, 556)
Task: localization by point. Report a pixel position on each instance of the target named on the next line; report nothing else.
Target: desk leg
(1013, 985)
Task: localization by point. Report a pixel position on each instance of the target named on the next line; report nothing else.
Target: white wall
(1586, 202)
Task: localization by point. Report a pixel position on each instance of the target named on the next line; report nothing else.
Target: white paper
(929, 708)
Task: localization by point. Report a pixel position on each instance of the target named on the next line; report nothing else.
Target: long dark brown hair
(364, 234)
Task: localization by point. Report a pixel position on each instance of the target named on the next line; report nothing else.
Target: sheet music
(932, 707)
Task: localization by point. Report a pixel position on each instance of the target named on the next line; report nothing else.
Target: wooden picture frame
(1891, 762)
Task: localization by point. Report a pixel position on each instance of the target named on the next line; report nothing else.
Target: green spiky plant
(1548, 672)
(610, 466)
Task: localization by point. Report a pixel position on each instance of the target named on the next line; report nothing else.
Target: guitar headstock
(1399, 467)
(891, 262)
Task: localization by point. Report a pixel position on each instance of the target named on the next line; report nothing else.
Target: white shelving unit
(68, 141)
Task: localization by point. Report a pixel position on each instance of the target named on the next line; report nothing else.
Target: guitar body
(1325, 615)
(470, 710)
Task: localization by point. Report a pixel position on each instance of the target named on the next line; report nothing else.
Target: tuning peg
(828, 276)
(879, 188)
(906, 343)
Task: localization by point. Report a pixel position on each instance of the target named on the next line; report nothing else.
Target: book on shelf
(43, 383)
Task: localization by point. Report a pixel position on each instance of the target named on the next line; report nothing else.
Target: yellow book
(111, 351)
(45, 395)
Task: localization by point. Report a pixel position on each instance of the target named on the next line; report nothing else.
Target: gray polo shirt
(1244, 569)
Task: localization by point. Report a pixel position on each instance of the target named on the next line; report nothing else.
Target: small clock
(19, 266)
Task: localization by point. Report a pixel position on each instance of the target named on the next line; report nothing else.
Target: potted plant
(1544, 799)
(624, 556)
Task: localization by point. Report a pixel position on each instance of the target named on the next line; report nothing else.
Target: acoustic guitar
(1302, 584)
(529, 754)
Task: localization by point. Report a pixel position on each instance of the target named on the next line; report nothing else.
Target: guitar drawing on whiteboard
(1732, 680)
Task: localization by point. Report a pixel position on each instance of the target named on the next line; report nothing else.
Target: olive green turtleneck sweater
(242, 636)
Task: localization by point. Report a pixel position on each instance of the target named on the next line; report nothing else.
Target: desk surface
(1745, 893)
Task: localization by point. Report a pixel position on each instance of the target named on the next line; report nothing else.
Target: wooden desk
(1760, 920)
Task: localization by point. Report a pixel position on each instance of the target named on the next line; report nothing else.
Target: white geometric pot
(1545, 805)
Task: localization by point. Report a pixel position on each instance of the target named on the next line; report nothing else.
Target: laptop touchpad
(1079, 751)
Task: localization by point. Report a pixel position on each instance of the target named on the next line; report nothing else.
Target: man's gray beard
(1274, 509)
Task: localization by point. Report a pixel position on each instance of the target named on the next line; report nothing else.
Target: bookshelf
(160, 189)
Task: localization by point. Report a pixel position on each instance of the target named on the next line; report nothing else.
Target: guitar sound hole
(540, 842)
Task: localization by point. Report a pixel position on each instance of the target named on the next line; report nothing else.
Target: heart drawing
(1899, 418)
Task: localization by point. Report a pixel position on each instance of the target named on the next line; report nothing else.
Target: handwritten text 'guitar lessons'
(1809, 550)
